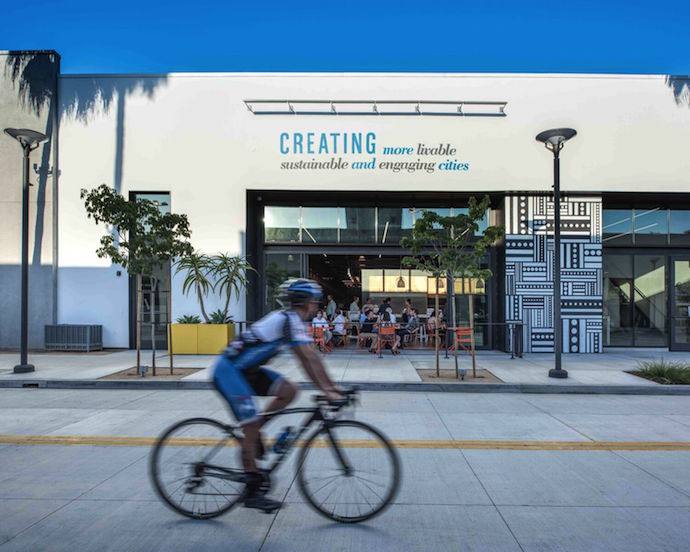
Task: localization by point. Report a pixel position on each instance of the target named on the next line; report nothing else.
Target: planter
(201, 339)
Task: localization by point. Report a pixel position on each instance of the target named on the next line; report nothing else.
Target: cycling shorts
(242, 377)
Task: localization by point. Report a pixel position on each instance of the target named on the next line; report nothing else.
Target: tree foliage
(141, 237)
(447, 246)
(206, 274)
(230, 273)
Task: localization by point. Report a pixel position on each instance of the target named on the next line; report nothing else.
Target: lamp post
(29, 140)
(553, 140)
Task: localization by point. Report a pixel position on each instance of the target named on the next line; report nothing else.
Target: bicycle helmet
(299, 291)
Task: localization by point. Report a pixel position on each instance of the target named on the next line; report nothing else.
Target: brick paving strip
(353, 443)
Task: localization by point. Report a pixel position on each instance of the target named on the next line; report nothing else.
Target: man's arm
(311, 362)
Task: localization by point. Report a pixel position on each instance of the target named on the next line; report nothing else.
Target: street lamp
(553, 140)
(29, 140)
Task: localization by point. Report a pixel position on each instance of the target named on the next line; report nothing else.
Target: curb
(422, 387)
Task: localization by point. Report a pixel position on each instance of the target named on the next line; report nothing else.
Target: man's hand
(334, 394)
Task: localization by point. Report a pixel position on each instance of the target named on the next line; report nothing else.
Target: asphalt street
(480, 472)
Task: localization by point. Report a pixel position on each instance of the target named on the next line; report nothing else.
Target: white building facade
(321, 174)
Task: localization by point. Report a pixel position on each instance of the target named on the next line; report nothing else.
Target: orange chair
(463, 337)
(387, 335)
(320, 339)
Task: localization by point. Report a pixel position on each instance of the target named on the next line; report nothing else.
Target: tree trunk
(168, 323)
(139, 301)
(438, 371)
(451, 294)
(474, 361)
(201, 304)
(152, 306)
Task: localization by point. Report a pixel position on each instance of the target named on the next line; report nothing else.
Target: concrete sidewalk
(606, 369)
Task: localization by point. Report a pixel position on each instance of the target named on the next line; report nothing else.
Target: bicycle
(205, 457)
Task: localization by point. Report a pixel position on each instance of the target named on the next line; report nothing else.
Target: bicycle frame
(317, 415)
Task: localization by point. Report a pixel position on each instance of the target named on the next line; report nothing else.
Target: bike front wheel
(196, 469)
(348, 471)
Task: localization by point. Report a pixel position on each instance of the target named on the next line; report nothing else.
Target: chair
(362, 338)
(320, 339)
(463, 337)
(386, 335)
(413, 337)
(431, 335)
(345, 338)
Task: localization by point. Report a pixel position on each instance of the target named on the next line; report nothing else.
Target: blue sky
(127, 36)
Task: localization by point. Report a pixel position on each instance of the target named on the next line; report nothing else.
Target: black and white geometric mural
(529, 272)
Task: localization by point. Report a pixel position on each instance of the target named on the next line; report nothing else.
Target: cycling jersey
(241, 376)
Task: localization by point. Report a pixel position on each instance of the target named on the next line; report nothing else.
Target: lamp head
(555, 138)
(27, 138)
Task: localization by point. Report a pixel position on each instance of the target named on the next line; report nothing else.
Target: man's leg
(284, 395)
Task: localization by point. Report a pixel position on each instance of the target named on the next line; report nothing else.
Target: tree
(198, 268)
(451, 247)
(141, 238)
(231, 276)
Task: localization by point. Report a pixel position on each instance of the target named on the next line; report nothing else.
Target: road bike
(347, 470)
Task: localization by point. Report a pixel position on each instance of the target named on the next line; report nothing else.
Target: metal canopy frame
(413, 108)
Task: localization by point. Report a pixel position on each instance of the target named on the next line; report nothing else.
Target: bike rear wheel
(196, 468)
(348, 471)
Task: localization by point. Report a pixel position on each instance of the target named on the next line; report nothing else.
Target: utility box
(74, 337)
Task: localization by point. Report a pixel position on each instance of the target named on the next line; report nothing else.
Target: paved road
(481, 472)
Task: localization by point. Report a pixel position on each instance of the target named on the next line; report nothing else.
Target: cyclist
(241, 375)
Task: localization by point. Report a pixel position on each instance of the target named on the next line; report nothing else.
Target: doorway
(680, 304)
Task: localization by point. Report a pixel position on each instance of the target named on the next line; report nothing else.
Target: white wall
(192, 135)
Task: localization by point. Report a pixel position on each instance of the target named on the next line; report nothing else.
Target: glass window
(617, 227)
(394, 223)
(649, 314)
(319, 224)
(357, 225)
(431, 283)
(681, 314)
(279, 267)
(618, 291)
(281, 224)
(680, 227)
(418, 283)
(372, 280)
(651, 226)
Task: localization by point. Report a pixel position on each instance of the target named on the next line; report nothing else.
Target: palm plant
(230, 274)
(189, 319)
(198, 268)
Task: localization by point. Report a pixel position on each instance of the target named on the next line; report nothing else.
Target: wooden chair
(320, 339)
(386, 335)
(463, 337)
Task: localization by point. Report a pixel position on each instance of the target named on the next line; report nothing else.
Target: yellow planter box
(201, 339)
(184, 338)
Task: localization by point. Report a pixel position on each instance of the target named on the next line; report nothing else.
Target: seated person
(338, 327)
(411, 326)
(320, 321)
(391, 316)
(367, 328)
(389, 319)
